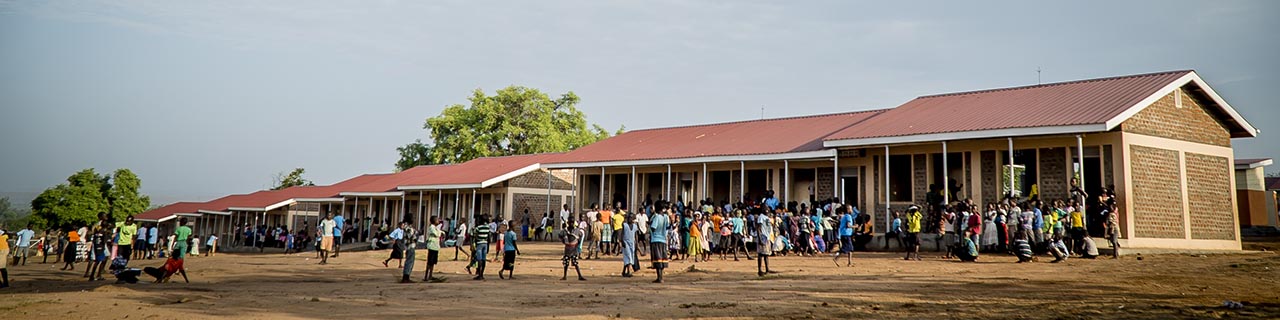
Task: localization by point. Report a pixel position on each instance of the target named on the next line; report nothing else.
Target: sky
(204, 99)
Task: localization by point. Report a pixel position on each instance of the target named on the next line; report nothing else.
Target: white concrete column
(946, 175)
(887, 208)
(786, 181)
(742, 181)
(667, 184)
(601, 187)
(1012, 188)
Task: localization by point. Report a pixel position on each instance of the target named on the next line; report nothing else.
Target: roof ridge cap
(1054, 84)
(763, 120)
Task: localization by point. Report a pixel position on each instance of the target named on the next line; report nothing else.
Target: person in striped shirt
(480, 236)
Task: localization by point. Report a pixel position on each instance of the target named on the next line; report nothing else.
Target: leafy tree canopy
(86, 194)
(515, 120)
(292, 179)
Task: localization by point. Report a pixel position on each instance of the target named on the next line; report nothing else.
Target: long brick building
(1161, 141)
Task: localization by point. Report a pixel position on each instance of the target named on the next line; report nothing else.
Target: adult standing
(327, 226)
(658, 239)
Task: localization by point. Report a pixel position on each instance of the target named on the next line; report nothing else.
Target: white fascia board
(966, 135)
(373, 194)
(279, 204)
(827, 153)
(509, 175)
(1263, 163)
(194, 215)
(441, 187)
(170, 217)
(1167, 89)
(312, 200)
(224, 213)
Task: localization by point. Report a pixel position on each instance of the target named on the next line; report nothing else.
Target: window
(1177, 98)
(900, 178)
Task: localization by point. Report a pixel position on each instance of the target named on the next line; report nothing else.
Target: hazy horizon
(205, 99)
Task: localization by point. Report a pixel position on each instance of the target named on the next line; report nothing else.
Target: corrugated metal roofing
(169, 210)
(1273, 183)
(1081, 102)
(756, 137)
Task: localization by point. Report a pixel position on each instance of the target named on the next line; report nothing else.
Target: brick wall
(537, 203)
(735, 185)
(1108, 177)
(825, 184)
(1209, 192)
(967, 191)
(1157, 193)
(1189, 123)
(919, 178)
(561, 179)
(1053, 174)
(990, 177)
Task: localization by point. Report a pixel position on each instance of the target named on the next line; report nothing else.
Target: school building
(1161, 141)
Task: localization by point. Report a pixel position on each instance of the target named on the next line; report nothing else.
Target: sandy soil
(879, 286)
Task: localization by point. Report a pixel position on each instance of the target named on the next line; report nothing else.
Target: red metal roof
(1273, 183)
(475, 171)
(1081, 102)
(756, 137)
(169, 210)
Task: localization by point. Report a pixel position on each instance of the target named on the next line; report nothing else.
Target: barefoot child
(629, 263)
(658, 228)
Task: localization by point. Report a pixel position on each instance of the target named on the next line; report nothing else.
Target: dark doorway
(849, 192)
(757, 183)
(621, 189)
(720, 185)
(955, 173)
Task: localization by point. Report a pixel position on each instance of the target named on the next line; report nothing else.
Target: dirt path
(879, 286)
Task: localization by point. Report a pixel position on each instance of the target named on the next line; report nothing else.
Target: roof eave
(1246, 130)
(966, 135)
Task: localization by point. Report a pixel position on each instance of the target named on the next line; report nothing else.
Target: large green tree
(291, 179)
(88, 193)
(12, 218)
(515, 120)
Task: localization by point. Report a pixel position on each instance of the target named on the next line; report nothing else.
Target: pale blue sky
(204, 99)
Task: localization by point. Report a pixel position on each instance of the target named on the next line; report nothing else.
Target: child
(410, 244)
(4, 260)
(1022, 248)
(195, 245)
(212, 244)
(433, 235)
(968, 250)
(570, 237)
(509, 251)
(629, 263)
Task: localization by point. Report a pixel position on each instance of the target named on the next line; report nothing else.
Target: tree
(516, 120)
(413, 154)
(293, 179)
(13, 218)
(86, 194)
(124, 196)
(77, 202)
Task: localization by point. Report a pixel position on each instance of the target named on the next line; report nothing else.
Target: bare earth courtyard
(879, 286)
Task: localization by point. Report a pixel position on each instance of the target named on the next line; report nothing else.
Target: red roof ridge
(1055, 84)
(764, 120)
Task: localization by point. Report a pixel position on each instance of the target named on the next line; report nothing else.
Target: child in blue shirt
(509, 251)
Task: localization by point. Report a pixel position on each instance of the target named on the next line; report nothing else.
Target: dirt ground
(878, 286)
